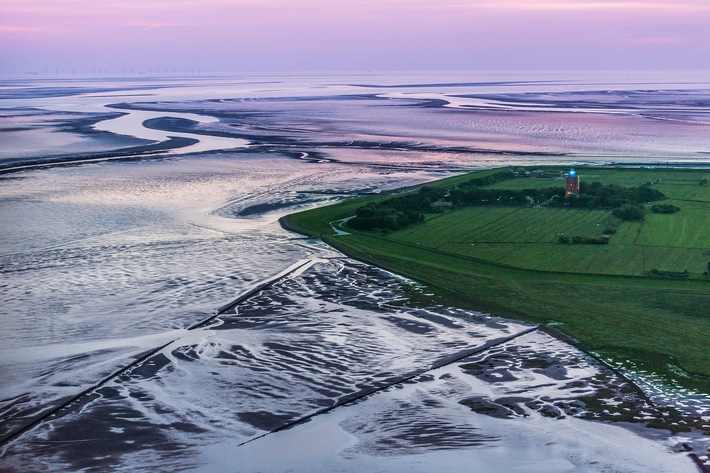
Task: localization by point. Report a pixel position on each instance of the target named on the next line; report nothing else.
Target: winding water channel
(144, 327)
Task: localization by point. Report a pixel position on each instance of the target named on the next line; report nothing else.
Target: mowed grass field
(528, 237)
(507, 260)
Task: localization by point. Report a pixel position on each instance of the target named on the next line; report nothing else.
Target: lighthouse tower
(572, 187)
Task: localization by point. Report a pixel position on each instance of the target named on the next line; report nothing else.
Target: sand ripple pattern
(307, 343)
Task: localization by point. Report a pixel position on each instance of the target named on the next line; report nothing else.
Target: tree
(628, 212)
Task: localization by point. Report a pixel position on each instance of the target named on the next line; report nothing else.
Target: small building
(572, 183)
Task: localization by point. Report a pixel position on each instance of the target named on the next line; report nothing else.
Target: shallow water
(104, 261)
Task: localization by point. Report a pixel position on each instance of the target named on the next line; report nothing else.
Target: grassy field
(507, 260)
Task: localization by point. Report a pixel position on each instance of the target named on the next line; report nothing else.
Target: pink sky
(348, 35)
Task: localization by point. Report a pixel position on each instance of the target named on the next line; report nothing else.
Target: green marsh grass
(507, 261)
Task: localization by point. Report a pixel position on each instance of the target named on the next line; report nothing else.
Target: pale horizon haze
(61, 36)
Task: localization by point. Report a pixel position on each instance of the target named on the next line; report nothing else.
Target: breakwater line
(293, 270)
(298, 268)
(362, 394)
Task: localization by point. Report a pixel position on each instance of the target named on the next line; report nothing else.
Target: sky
(48, 36)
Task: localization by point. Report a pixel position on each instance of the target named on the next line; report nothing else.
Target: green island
(626, 287)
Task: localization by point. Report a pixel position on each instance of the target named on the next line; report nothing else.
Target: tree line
(401, 211)
(397, 212)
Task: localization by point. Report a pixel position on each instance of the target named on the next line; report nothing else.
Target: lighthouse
(572, 187)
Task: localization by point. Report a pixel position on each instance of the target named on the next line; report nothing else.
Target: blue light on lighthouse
(572, 183)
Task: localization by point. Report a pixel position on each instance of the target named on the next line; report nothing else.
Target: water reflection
(104, 261)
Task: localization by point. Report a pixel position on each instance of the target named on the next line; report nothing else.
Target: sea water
(106, 260)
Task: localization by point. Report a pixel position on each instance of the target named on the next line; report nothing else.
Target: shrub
(628, 212)
(580, 240)
(372, 216)
(665, 209)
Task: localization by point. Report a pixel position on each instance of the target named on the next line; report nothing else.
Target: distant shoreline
(156, 150)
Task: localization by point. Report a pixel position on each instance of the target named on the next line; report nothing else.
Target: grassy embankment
(508, 261)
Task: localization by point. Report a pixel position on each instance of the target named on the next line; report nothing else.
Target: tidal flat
(110, 252)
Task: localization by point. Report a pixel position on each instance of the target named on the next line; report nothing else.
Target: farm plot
(597, 259)
(454, 226)
(509, 261)
(506, 225)
(689, 228)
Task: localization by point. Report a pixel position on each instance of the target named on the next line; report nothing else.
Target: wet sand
(105, 263)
